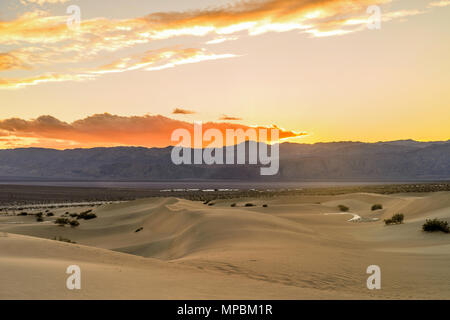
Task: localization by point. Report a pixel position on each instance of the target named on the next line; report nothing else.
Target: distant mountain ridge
(395, 160)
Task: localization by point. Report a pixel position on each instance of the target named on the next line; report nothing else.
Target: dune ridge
(298, 247)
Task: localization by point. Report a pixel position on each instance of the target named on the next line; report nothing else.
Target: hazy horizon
(281, 143)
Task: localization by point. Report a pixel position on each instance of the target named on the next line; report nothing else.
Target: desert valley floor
(296, 247)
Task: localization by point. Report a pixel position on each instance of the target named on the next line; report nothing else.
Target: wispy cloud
(43, 39)
(160, 59)
(151, 60)
(442, 3)
(16, 83)
(221, 40)
(198, 56)
(9, 61)
(255, 17)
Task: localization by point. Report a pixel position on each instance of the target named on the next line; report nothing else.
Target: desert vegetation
(62, 221)
(343, 208)
(25, 196)
(87, 215)
(377, 207)
(74, 223)
(39, 217)
(433, 225)
(396, 219)
(66, 221)
(59, 238)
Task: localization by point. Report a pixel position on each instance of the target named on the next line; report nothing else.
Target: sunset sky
(135, 70)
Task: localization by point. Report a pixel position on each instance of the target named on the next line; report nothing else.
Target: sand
(299, 247)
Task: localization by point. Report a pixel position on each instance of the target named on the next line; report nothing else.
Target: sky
(133, 71)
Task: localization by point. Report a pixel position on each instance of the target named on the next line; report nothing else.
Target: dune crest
(294, 248)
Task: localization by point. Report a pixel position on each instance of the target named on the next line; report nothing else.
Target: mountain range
(381, 161)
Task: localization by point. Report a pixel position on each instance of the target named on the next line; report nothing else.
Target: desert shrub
(90, 216)
(73, 215)
(211, 204)
(74, 223)
(39, 219)
(396, 219)
(39, 214)
(265, 205)
(87, 215)
(139, 229)
(23, 214)
(249, 205)
(50, 214)
(233, 205)
(62, 221)
(343, 208)
(432, 225)
(63, 239)
(377, 207)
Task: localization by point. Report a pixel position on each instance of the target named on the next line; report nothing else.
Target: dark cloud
(182, 111)
(229, 118)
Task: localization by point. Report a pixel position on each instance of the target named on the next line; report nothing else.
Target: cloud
(229, 118)
(182, 111)
(9, 61)
(16, 83)
(221, 40)
(442, 3)
(254, 17)
(358, 23)
(107, 130)
(191, 58)
(161, 59)
(45, 39)
(401, 14)
(151, 60)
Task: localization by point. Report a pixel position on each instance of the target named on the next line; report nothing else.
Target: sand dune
(35, 268)
(296, 248)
